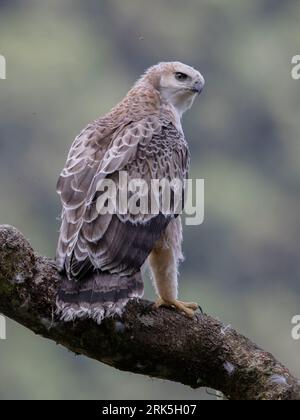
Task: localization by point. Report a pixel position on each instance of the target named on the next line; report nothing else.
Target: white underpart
(178, 116)
(179, 101)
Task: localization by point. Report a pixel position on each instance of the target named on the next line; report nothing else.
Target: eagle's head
(177, 83)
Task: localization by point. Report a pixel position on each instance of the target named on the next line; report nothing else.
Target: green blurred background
(69, 62)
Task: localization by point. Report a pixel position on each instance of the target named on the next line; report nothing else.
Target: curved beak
(198, 86)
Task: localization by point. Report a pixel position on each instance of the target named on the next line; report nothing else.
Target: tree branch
(198, 352)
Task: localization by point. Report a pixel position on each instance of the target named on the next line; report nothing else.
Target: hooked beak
(198, 86)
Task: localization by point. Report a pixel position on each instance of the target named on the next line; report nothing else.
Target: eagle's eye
(181, 77)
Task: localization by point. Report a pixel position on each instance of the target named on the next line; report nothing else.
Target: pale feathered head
(177, 83)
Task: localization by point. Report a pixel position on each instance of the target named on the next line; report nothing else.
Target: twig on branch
(199, 352)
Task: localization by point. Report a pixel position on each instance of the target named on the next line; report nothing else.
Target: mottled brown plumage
(102, 255)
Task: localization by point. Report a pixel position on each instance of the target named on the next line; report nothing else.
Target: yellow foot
(189, 308)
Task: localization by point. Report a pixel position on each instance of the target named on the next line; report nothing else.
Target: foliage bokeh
(69, 62)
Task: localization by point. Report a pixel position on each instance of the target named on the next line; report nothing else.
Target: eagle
(102, 254)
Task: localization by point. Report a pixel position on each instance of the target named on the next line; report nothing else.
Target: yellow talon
(189, 308)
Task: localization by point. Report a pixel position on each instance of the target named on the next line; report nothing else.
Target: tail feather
(99, 296)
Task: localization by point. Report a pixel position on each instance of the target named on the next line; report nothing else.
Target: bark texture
(199, 352)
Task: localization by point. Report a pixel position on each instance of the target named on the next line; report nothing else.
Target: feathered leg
(163, 262)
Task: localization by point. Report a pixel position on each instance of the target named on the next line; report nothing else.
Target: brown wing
(88, 239)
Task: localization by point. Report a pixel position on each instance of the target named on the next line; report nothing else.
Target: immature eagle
(102, 254)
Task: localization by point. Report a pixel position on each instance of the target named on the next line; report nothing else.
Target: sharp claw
(201, 310)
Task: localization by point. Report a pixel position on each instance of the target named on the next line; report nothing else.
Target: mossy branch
(199, 352)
